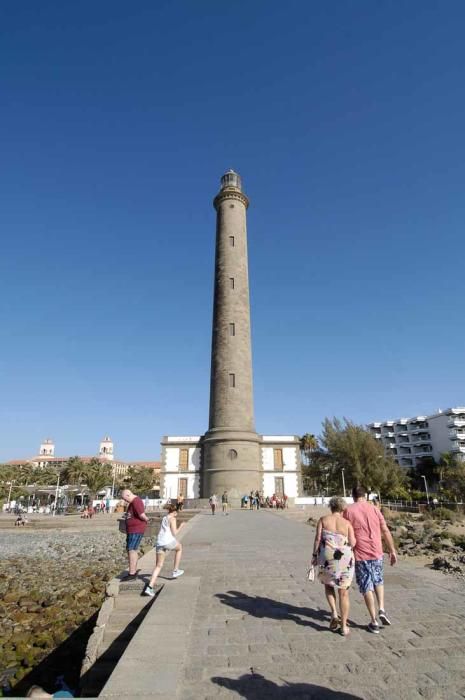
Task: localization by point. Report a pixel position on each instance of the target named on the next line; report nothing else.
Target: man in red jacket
(136, 522)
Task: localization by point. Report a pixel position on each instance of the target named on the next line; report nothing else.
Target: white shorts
(166, 547)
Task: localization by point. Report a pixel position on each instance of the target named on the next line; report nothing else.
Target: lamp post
(9, 495)
(426, 488)
(113, 485)
(343, 482)
(56, 495)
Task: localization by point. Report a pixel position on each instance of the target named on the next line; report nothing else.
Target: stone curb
(112, 591)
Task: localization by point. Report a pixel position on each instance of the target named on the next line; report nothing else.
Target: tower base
(231, 462)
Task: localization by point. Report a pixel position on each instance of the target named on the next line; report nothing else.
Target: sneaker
(373, 627)
(384, 618)
(148, 590)
(177, 573)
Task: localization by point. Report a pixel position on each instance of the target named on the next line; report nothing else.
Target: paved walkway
(256, 629)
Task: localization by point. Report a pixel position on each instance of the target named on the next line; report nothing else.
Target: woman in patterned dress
(332, 552)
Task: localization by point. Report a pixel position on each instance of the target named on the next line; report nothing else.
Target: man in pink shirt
(370, 530)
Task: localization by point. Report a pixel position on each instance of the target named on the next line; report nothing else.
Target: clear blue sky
(346, 122)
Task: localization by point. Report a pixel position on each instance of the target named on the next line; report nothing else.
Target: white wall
(290, 483)
(290, 458)
(171, 459)
(437, 428)
(170, 489)
(290, 465)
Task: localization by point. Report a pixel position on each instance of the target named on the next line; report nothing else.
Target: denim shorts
(369, 574)
(133, 540)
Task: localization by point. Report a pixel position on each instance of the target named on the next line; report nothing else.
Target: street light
(343, 482)
(9, 495)
(426, 488)
(56, 495)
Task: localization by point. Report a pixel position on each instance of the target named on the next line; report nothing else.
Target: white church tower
(106, 449)
(47, 448)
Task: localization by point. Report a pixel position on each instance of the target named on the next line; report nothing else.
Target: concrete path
(255, 628)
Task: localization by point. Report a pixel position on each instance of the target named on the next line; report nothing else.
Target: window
(279, 486)
(231, 282)
(231, 241)
(183, 460)
(278, 459)
(182, 488)
(232, 329)
(232, 454)
(232, 380)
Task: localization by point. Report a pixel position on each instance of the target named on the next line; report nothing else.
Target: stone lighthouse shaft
(231, 452)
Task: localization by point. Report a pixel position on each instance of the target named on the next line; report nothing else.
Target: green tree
(308, 445)
(97, 477)
(140, 481)
(453, 475)
(75, 471)
(44, 476)
(353, 448)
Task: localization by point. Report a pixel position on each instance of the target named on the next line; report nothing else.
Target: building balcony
(457, 434)
(406, 462)
(421, 437)
(405, 451)
(458, 447)
(423, 450)
(456, 422)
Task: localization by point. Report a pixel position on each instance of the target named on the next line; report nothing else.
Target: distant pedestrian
(166, 542)
(251, 500)
(107, 505)
(257, 499)
(370, 530)
(136, 522)
(225, 503)
(213, 502)
(180, 503)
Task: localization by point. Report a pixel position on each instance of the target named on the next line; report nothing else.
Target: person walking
(257, 499)
(166, 542)
(213, 503)
(136, 522)
(251, 500)
(333, 553)
(225, 503)
(370, 530)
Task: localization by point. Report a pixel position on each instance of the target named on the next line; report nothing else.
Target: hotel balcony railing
(456, 422)
(458, 447)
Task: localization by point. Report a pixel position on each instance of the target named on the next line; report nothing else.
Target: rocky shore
(51, 583)
(439, 536)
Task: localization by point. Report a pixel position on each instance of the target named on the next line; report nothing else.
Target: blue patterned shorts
(133, 541)
(369, 574)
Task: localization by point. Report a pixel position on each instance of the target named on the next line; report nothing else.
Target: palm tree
(75, 471)
(308, 444)
(97, 477)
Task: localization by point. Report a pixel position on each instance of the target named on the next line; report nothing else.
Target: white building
(181, 469)
(410, 440)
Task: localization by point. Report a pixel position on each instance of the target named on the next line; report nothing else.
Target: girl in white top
(166, 542)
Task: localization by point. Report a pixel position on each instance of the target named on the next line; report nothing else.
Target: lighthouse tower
(231, 447)
(230, 456)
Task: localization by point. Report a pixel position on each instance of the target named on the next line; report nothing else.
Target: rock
(10, 597)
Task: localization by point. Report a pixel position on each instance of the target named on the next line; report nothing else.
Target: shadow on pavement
(258, 606)
(255, 686)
